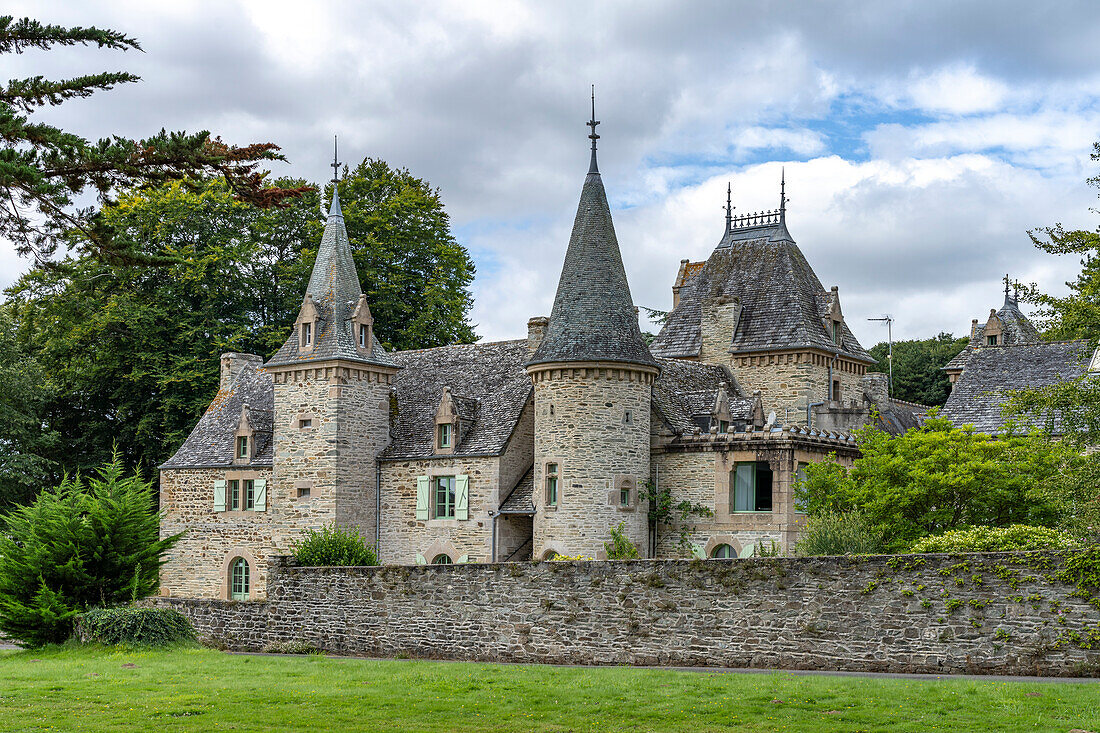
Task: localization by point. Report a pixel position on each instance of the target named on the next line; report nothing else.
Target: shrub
(570, 558)
(1017, 537)
(332, 545)
(142, 627)
(620, 547)
(840, 533)
(78, 546)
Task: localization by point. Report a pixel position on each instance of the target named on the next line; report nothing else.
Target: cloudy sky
(920, 139)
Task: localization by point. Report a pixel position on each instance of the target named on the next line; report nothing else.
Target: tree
(130, 352)
(918, 364)
(941, 477)
(78, 546)
(23, 441)
(42, 168)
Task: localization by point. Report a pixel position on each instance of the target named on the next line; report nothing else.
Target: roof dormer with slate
(1005, 327)
(335, 322)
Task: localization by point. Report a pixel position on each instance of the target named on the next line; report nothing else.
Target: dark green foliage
(939, 478)
(42, 168)
(840, 533)
(77, 546)
(334, 546)
(1014, 538)
(918, 364)
(663, 512)
(620, 547)
(135, 627)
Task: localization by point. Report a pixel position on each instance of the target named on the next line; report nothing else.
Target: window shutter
(420, 559)
(462, 500)
(219, 495)
(697, 551)
(260, 503)
(463, 560)
(421, 497)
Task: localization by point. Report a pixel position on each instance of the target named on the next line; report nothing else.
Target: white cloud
(956, 89)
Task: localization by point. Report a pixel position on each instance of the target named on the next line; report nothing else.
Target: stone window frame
(305, 325)
(722, 539)
(545, 490)
(440, 547)
(247, 433)
(241, 476)
(303, 486)
(303, 415)
(238, 553)
(618, 484)
(361, 319)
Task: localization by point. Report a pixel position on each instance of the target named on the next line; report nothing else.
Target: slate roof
(1016, 328)
(686, 389)
(488, 380)
(593, 318)
(521, 500)
(334, 285)
(993, 372)
(783, 303)
(211, 442)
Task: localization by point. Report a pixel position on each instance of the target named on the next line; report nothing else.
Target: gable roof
(487, 381)
(783, 304)
(593, 318)
(211, 442)
(334, 287)
(521, 499)
(993, 372)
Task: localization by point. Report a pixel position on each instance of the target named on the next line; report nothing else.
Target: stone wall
(999, 613)
(790, 381)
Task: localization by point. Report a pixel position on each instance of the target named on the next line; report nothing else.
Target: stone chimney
(536, 332)
(973, 327)
(232, 364)
(876, 385)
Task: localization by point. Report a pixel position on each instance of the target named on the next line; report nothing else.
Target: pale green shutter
(421, 497)
(219, 495)
(462, 501)
(420, 560)
(260, 503)
(463, 560)
(698, 552)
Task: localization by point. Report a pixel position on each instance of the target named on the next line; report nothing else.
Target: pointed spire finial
(335, 164)
(783, 194)
(592, 168)
(1007, 286)
(729, 207)
(334, 207)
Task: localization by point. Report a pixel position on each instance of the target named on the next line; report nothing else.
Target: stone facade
(1004, 613)
(592, 422)
(790, 381)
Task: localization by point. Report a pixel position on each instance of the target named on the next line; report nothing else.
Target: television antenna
(889, 321)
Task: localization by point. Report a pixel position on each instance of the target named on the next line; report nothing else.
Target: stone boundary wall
(993, 613)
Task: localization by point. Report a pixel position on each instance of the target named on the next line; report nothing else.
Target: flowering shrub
(1017, 537)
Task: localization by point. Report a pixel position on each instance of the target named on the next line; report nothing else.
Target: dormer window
(307, 335)
(449, 422)
(446, 435)
(364, 336)
(991, 340)
(242, 446)
(836, 332)
(362, 324)
(307, 324)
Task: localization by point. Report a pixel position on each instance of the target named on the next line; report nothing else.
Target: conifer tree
(44, 168)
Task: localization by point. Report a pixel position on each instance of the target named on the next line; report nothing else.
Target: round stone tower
(593, 379)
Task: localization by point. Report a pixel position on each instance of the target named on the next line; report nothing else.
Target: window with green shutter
(462, 497)
(219, 495)
(261, 495)
(444, 497)
(422, 498)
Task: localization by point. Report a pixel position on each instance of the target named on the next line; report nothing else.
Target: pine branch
(26, 94)
(19, 35)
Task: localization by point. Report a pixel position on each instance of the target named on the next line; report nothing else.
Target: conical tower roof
(335, 292)
(593, 317)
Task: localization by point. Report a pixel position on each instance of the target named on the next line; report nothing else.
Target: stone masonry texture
(995, 613)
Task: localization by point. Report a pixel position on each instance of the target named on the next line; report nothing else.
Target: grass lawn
(192, 689)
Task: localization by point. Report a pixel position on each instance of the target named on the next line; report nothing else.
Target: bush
(620, 547)
(142, 627)
(570, 558)
(78, 546)
(840, 533)
(331, 545)
(1018, 537)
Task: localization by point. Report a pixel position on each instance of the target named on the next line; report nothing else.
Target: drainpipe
(378, 509)
(493, 553)
(809, 413)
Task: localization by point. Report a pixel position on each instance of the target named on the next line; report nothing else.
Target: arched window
(723, 552)
(441, 559)
(238, 580)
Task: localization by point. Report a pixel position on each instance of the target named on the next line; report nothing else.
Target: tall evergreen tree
(917, 367)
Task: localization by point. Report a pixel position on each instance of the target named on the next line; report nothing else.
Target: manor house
(538, 446)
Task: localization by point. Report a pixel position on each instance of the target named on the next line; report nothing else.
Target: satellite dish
(771, 419)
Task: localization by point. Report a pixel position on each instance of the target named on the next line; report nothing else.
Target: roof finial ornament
(1007, 282)
(783, 194)
(592, 168)
(335, 164)
(729, 207)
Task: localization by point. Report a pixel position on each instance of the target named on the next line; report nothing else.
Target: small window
(364, 336)
(446, 435)
(233, 487)
(991, 340)
(723, 552)
(303, 492)
(836, 332)
(307, 335)
(751, 487)
(238, 580)
(628, 418)
(799, 479)
(552, 484)
(248, 488)
(723, 426)
(444, 497)
(624, 494)
(442, 559)
(242, 446)
(305, 423)
(836, 390)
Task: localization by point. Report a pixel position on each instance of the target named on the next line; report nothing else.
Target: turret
(593, 377)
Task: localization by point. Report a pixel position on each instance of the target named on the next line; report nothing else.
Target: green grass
(193, 689)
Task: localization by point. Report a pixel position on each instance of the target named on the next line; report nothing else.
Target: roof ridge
(454, 346)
